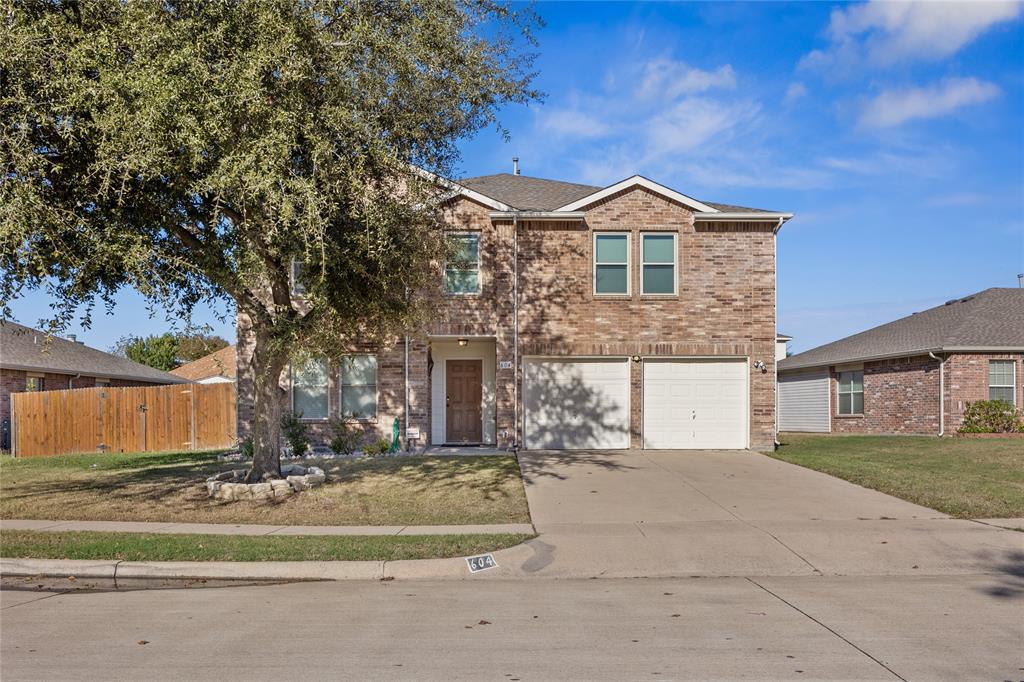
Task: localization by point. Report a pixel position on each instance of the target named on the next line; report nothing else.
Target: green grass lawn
(170, 488)
(962, 477)
(161, 547)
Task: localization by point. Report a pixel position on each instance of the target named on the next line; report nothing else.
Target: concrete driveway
(733, 513)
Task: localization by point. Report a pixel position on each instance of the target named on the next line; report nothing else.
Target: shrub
(346, 439)
(379, 447)
(991, 416)
(245, 447)
(295, 432)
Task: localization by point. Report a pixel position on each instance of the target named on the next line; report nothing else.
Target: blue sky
(894, 131)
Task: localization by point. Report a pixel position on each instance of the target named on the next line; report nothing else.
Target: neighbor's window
(359, 387)
(309, 389)
(658, 257)
(851, 392)
(611, 263)
(1001, 381)
(33, 384)
(462, 272)
(297, 286)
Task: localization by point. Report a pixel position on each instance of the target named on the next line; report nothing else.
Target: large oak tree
(192, 150)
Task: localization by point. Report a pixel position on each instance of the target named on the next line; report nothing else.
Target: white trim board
(638, 181)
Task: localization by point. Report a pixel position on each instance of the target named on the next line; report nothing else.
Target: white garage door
(576, 404)
(695, 404)
(803, 401)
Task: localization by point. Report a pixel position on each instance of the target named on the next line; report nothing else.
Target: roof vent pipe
(515, 165)
(1020, 280)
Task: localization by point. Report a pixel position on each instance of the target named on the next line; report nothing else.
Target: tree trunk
(268, 405)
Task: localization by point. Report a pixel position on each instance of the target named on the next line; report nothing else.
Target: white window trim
(839, 392)
(1013, 377)
(291, 386)
(376, 388)
(479, 264)
(675, 263)
(628, 263)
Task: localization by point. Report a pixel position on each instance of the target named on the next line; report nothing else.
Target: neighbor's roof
(992, 319)
(221, 363)
(24, 348)
(525, 193)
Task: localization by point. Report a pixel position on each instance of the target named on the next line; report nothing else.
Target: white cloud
(896, 106)
(883, 33)
(794, 92)
(668, 79)
(693, 122)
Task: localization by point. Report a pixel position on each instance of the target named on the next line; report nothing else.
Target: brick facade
(724, 307)
(901, 395)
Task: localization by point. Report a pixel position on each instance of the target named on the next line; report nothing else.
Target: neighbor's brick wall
(900, 396)
(725, 306)
(967, 381)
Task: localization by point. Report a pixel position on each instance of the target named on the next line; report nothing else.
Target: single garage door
(695, 404)
(576, 404)
(803, 401)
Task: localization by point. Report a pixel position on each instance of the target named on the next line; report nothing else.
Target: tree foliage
(192, 150)
(168, 350)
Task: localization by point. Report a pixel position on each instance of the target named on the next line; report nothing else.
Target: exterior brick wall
(900, 396)
(725, 306)
(967, 381)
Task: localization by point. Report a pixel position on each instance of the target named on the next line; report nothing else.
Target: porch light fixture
(463, 342)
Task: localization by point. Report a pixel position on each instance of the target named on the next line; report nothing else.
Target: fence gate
(134, 419)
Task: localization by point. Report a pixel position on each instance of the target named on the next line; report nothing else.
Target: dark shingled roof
(25, 348)
(537, 194)
(993, 318)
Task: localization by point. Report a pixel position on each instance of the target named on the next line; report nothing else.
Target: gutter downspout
(775, 339)
(515, 332)
(942, 392)
(72, 378)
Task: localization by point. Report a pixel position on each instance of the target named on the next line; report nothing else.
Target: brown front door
(463, 381)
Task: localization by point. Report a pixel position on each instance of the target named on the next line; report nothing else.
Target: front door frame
(480, 425)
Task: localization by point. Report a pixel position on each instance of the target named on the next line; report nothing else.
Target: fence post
(192, 422)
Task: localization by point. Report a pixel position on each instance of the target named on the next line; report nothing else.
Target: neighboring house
(914, 375)
(216, 368)
(576, 317)
(29, 361)
(781, 342)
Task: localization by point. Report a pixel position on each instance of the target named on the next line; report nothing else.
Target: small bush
(295, 432)
(346, 439)
(380, 447)
(991, 416)
(246, 448)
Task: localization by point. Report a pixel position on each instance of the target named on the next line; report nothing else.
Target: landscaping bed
(962, 477)
(189, 547)
(171, 487)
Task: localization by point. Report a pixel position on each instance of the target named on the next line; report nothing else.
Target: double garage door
(585, 404)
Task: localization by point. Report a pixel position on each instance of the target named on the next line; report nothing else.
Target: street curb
(415, 569)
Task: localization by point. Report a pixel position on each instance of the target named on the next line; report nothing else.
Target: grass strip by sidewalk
(963, 477)
(25, 544)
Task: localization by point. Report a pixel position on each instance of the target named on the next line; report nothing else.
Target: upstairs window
(1002, 383)
(611, 263)
(309, 389)
(462, 272)
(851, 392)
(658, 260)
(359, 387)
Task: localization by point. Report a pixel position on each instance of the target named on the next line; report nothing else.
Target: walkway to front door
(464, 381)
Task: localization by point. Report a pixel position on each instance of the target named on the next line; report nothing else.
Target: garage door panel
(576, 404)
(695, 404)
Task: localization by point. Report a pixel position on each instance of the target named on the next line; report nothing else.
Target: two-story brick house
(577, 317)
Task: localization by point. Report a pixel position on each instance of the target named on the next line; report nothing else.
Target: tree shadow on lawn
(183, 487)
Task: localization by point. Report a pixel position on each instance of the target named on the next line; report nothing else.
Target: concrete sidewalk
(255, 529)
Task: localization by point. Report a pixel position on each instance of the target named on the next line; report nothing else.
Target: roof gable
(638, 181)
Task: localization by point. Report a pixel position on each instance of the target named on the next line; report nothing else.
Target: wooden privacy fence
(136, 419)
